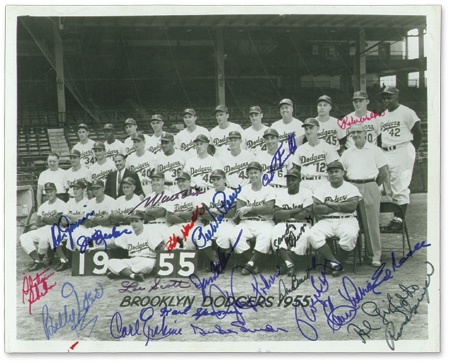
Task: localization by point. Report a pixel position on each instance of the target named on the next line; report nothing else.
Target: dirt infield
(368, 304)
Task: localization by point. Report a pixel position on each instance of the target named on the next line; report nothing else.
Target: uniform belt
(362, 181)
(338, 217)
(278, 186)
(311, 177)
(389, 148)
(253, 219)
(291, 220)
(155, 222)
(170, 183)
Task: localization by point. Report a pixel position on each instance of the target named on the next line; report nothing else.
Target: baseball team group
(280, 190)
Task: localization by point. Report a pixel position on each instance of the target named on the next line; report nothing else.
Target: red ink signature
(72, 347)
(346, 121)
(36, 287)
(186, 228)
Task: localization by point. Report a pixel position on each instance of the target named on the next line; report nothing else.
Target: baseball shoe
(394, 226)
(283, 269)
(63, 266)
(337, 270)
(139, 277)
(111, 275)
(247, 270)
(376, 263)
(291, 271)
(37, 265)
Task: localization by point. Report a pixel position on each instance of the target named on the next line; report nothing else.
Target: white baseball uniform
(330, 132)
(370, 122)
(117, 147)
(78, 208)
(201, 169)
(184, 140)
(267, 160)
(87, 153)
(170, 165)
(101, 171)
(83, 174)
(143, 166)
(220, 138)
(255, 140)
(153, 144)
(129, 144)
(56, 177)
(285, 129)
(236, 167)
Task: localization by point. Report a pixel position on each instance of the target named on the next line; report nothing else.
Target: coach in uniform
(401, 136)
(334, 204)
(366, 168)
(288, 124)
(103, 166)
(254, 135)
(76, 172)
(113, 146)
(85, 146)
(131, 129)
(329, 129)
(153, 143)
(53, 174)
(185, 139)
(113, 185)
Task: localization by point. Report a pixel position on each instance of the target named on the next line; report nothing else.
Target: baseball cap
(156, 117)
(48, 186)
(128, 180)
(272, 132)
(78, 184)
(391, 90)
(286, 101)
(136, 214)
(234, 135)
(109, 127)
(167, 137)
(190, 111)
(255, 109)
(359, 95)
(82, 126)
(139, 136)
(335, 165)
(254, 165)
(324, 98)
(219, 173)
(202, 137)
(310, 122)
(183, 175)
(157, 175)
(357, 127)
(75, 152)
(99, 145)
(221, 108)
(293, 172)
(130, 121)
(97, 184)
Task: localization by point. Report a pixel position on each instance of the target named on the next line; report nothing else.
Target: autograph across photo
(222, 179)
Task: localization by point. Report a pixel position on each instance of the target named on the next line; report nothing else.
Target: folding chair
(390, 207)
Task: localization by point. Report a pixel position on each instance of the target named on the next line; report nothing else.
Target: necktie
(119, 179)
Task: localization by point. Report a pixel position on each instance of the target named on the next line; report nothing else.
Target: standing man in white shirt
(77, 172)
(185, 139)
(131, 129)
(103, 166)
(254, 135)
(85, 145)
(329, 129)
(113, 146)
(288, 124)
(154, 142)
(53, 174)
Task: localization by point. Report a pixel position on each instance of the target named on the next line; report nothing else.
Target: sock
(284, 256)
(132, 276)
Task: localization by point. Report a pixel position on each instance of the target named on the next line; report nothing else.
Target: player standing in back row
(254, 135)
(401, 136)
(288, 124)
(185, 139)
(85, 146)
(329, 130)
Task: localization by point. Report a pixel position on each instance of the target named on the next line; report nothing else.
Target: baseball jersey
(220, 137)
(74, 207)
(117, 147)
(184, 140)
(142, 245)
(213, 202)
(83, 174)
(156, 203)
(265, 159)
(200, 169)
(287, 201)
(153, 144)
(257, 198)
(102, 209)
(124, 206)
(330, 132)
(52, 210)
(346, 191)
(370, 122)
(142, 165)
(170, 165)
(187, 204)
(129, 145)
(236, 167)
(286, 129)
(363, 163)
(255, 140)
(395, 126)
(57, 177)
(101, 171)
(87, 153)
(313, 160)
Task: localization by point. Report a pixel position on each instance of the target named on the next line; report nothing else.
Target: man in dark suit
(113, 186)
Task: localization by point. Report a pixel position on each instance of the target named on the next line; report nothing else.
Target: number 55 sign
(176, 263)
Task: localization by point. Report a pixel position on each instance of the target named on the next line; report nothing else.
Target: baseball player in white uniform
(254, 135)
(362, 116)
(126, 203)
(131, 129)
(85, 146)
(103, 166)
(185, 139)
(293, 217)
(335, 206)
(288, 124)
(254, 208)
(366, 168)
(47, 215)
(77, 172)
(202, 164)
(154, 142)
(155, 213)
(401, 136)
(329, 129)
(219, 134)
(312, 157)
(113, 146)
(235, 161)
(53, 174)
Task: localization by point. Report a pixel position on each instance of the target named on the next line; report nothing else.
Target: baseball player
(288, 124)
(141, 245)
(361, 115)
(254, 208)
(202, 164)
(113, 146)
(254, 135)
(53, 174)
(185, 139)
(401, 136)
(329, 129)
(170, 161)
(103, 166)
(312, 157)
(334, 205)
(235, 161)
(125, 203)
(366, 168)
(85, 146)
(142, 162)
(47, 215)
(76, 172)
(131, 129)
(293, 217)
(219, 134)
(113, 184)
(154, 142)
(155, 212)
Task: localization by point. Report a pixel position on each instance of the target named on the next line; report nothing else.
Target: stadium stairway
(58, 144)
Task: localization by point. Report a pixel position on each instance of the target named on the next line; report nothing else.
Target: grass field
(329, 316)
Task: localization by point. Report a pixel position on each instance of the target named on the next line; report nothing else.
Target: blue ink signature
(99, 238)
(61, 233)
(75, 317)
(241, 328)
(142, 325)
(223, 204)
(277, 161)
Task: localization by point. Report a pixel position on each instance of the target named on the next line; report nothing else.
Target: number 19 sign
(176, 263)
